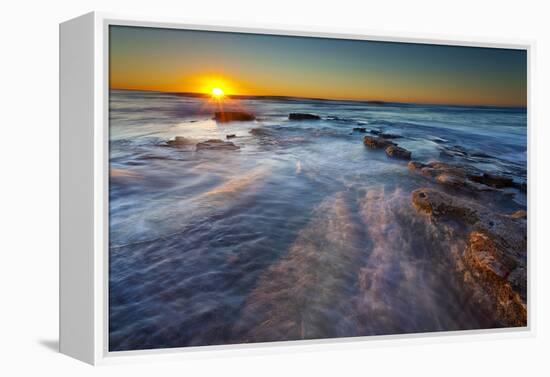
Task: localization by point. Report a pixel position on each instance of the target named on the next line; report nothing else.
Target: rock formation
(376, 142)
(398, 152)
(495, 257)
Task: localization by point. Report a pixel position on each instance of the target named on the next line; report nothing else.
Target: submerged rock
(180, 141)
(397, 152)
(377, 142)
(216, 144)
(233, 116)
(495, 257)
(360, 129)
(303, 116)
(303, 295)
(230, 136)
(440, 205)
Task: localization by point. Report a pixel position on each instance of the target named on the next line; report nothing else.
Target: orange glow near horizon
(217, 93)
(217, 86)
(209, 84)
(268, 65)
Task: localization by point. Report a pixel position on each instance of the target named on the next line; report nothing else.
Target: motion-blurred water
(302, 233)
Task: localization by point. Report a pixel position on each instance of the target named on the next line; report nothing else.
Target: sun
(217, 93)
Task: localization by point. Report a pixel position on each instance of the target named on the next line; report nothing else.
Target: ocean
(301, 233)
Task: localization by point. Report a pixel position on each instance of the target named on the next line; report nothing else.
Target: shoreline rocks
(500, 276)
(233, 116)
(397, 152)
(392, 149)
(460, 176)
(376, 142)
(216, 144)
(303, 116)
(495, 257)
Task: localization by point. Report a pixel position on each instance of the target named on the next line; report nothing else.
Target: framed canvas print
(228, 188)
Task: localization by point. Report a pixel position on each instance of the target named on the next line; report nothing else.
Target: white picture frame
(84, 166)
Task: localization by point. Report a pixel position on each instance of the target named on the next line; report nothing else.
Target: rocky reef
(463, 176)
(376, 142)
(494, 260)
(391, 148)
(398, 152)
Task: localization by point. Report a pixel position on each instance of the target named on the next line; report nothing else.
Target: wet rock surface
(303, 116)
(215, 144)
(391, 148)
(495, 257)
(376, 142)
(397, 152)
(462, 176)
(233, 116)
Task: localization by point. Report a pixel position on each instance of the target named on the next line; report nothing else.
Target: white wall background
(29, 183)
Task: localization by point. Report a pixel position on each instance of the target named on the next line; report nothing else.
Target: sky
(175, 60)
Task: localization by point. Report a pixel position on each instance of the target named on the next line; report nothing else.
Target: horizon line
(371, 101)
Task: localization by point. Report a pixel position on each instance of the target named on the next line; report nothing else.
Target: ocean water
(302, 233)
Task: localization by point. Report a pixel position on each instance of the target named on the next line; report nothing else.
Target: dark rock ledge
(462, 176)
(494, 260)
(376, 142)
(398, 152)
